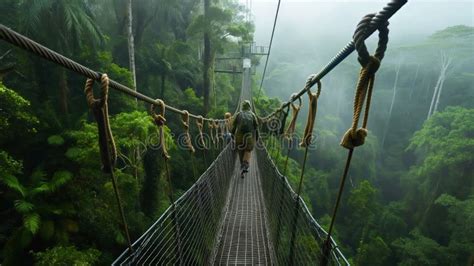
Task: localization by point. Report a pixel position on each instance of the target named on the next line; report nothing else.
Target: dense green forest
(409, 200)
(410, 197)
(56, 204)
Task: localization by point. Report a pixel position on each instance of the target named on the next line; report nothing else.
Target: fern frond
(23, 206)
(12, 182)
(32, 222)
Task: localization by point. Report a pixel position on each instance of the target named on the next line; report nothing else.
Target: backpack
(246, 122)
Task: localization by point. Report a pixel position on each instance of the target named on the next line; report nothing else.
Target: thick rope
(108, 150)
(188, 143)
(200, 126)
(313, 107)
(370, 64)
(216, 132)
(187, 135)
(101, 113)
(377, 21)
(306, 141)
(210, 125)
(356, 136)
(290, 131)
(160, 120)
(283, 118)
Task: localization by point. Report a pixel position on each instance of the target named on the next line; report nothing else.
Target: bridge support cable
(29, 45)
(269, 50)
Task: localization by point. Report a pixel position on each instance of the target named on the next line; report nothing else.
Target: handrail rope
(269, 51)
(305, 142)
(187, 141)
(160, 120)
(216, 132)
(210, 126)
(378, 20)
(313, 107)
(29, 45)
(290, 131)
(278, 151)
(201, 141)
(187, 135)
(355, 137)
(200, 126)
(108, 150)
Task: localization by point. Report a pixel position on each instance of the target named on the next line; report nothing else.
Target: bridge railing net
(187, 232)
(296, 236)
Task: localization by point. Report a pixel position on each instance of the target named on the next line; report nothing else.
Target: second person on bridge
(245, 130)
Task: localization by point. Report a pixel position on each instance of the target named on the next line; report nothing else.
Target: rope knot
(200, 125)
(372, 66)
(99, 107)
(290, 130)
(352, 139)
(187, 135)
(359, 40)
(158, 119)
(313, 107)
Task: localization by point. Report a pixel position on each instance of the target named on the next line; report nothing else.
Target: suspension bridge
(222, 218)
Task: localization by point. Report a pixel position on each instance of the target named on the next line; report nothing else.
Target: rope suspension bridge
(221, 218)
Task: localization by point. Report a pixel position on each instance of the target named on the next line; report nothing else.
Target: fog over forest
(82, 180)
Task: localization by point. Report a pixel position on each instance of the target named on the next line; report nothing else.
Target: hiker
(245, 131)
(228, 124)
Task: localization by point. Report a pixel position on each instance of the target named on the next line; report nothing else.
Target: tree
(445, 64)
(444, 148)
(61, 255)
(207, 60)
(131, 45)
(38, 215)
(75, 26)
(420, 250)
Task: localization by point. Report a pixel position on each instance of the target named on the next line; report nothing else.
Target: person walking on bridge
(245, 130)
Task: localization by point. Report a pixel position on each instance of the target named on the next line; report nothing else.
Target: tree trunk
(394, 96)
(131, 46)
(63, 91)
(445, 63)
(206, 58)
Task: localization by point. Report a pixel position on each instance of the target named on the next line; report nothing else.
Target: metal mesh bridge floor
(244, 239)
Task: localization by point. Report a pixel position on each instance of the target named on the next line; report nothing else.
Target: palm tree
(38, 217)
(65, 26)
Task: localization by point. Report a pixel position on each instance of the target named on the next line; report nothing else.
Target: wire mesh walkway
(244, 238)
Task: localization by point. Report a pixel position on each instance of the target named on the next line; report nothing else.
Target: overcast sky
(337, 18)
